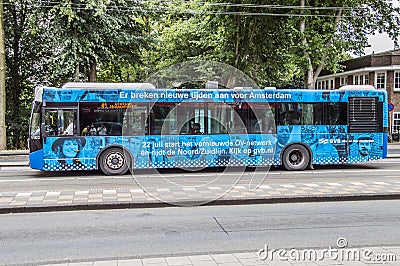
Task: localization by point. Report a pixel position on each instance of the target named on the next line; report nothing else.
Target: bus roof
(357, 87)
(145, 92)
(96, 85)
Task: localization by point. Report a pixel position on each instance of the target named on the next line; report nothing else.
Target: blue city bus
(117, 127)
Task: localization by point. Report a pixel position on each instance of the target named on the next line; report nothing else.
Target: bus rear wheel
(114, 161)
(296, 158)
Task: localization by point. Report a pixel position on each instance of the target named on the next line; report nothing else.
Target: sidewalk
(378, 256)
(137, 197)
(38, 201)
(14, 158)
(394, 150)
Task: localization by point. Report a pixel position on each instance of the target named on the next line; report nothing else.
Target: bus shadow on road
(213, 170)
(345, 167)
(55, 174)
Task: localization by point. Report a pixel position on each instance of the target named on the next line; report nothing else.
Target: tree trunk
(14, 89)
(92, 72)
(309, 76)
(232, 79)
(313, 71)
(76, 74)
(3, 138)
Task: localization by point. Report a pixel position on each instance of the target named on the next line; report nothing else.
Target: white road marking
(246, 174)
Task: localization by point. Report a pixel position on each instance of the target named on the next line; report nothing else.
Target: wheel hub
(115, 161)
(296, 158)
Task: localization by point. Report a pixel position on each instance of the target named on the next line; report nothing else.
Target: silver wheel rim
(115, 160)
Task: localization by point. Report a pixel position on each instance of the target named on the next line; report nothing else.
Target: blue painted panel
(36, 160)
(365, 147)
(71, 153)
(228, 96)
(385, 145)
(329, 144)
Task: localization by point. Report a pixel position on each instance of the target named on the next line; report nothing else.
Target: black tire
(114, 161)
(296, 158)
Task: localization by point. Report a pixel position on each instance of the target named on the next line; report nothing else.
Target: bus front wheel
(296, 158)
(114, 161)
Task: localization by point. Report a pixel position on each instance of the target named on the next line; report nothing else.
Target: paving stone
(106, 263)
(205, 263)
(248, 255)
(154, 261)
(134, 262)
(225, 258)
(251, 261)
(178, 261)
(200, 258)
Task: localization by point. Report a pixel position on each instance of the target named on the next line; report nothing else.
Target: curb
(14, 153)
(14, 164)
(141, 205)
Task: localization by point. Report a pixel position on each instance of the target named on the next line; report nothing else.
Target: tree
(275, 42)
(47, 43)
(24, 48)
(256, 43)
(87, 33)
(327, 29)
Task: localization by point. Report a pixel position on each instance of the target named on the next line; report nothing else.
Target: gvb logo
(331, 141)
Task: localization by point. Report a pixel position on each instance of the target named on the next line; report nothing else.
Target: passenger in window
(195, 130)
(70, 128)
(102, 130)
(85, 131)
(92, 130)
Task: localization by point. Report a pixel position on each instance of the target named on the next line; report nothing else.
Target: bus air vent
(364, 115)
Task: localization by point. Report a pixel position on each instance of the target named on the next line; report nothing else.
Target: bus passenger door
(62, 145)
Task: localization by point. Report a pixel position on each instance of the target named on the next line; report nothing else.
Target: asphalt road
(24, 179)
(101, 235)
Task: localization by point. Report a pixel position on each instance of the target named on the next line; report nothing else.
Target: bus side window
(282, 114)
(67, 122)
(51, 122)
(335, 113)
(294, 114)
(318, 112)
(60, 122)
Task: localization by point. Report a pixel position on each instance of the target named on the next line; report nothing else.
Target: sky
(381, 42)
